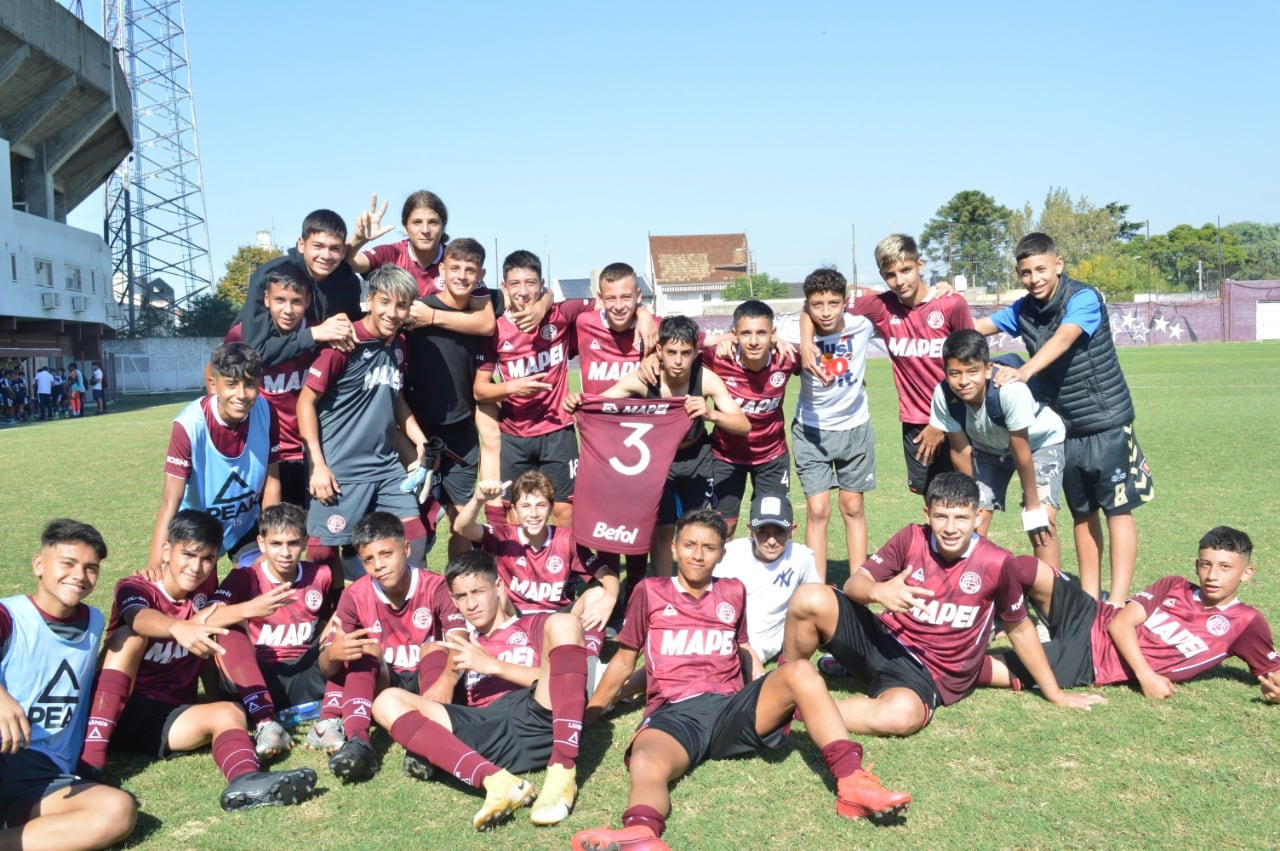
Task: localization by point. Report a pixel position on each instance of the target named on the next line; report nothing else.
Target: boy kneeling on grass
(693, 631)
(526, 681)
(160, 633)
(48, 647)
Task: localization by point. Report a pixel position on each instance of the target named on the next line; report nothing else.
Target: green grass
(996, 770)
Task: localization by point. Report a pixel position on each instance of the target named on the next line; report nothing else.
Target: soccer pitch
(996, 770)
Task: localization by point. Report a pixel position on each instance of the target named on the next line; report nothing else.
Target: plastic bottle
(300, 714)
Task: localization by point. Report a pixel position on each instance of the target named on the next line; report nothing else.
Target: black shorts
(407, 680)
(1107, 471)
(731, 481)
(1070, 647)
(29, 776)
(918, 475)
(144, 727)
(295, 484)
(714, 726)
(292, 683)
(555, 454)
(458, 481)
(861, 643)
(513, 732)
(690, 483)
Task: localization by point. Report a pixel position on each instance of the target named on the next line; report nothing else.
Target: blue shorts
(29, 776)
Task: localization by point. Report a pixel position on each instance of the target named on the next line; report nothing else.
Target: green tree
(1187, 257)
(235, 283)
(1118, 276)
(207, 315)
(1079, 228)
(1261, 246)
(970, 235)
(758, 286)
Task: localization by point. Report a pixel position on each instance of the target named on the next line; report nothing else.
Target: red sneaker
(861, 795)
(637, 838)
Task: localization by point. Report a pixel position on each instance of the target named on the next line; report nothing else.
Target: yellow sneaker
(559, 791)
(504, 794)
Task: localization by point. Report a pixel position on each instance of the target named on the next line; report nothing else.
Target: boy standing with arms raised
(1065, 327)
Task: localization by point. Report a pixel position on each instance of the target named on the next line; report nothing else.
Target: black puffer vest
(1085, 385)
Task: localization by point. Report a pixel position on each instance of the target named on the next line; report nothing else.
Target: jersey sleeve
(177, 461)
(6, 629)
(132, 596)
(235, 334)
(1008, 598)
(347, 614)
(940, 413)
(1151, 596)
(379, 255)
(1006, 319)
(1255, 647)
(236, 588)
(957, 309)
(788, 329)
(273, 435)
(1084, 310)
(325, 369)
(571, 308)
(867, 304)
(888, 561)
(636, 626)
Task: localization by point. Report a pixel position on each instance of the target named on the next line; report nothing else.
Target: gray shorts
(993, 474)
(331, 524)
(827, 459)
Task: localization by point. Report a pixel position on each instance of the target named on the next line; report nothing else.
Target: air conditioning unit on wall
(49, 301)
(79, 303)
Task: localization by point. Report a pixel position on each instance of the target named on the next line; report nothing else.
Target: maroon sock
(331, 706)
(420, 735)
(568, 688)
(240, 665)
(234, 754)
(430, 667)
(357, 697)
(325, 554)
(109, 699)
(646, 816)
(985, 672)
(843, 757)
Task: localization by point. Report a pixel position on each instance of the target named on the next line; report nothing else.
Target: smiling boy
(223, 455)
(48, 647)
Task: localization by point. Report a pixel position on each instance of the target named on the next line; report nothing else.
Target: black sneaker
(268, 789)
(354, 761)
(417, 767)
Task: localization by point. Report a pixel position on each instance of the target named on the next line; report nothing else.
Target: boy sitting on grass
(145, 701)
(48, 648)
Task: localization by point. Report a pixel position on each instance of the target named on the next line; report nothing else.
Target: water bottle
(300, 714)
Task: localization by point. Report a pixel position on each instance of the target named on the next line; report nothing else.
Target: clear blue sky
(575, 129)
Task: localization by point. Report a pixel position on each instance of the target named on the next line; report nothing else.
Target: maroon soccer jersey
(1182, 637)
(949, 635)
(914, 337)
(228, 440)
(518, 642)
(427, 614)
(690, 645)
(401, 254)
(515, 354)
(626, 448)
(604, 356)
(537, 581)
(281, 384)
(287, 633)
(168, 672)
(760, 396)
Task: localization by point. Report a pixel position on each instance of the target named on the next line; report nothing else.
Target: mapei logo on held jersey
(970, 582)
(726, 613)
(422, 617)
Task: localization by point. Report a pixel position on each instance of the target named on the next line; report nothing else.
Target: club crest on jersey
(1218, 625)
(399, 356)
(312, 600)
(517, 638)
(935, 320)
(777, 379)
(199, 600)
(726, 613)
(548, 331)
(555, 564)
(970, 582)
(422, 618)
(336, 523)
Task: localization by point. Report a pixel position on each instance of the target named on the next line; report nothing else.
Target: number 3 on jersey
(636, 439)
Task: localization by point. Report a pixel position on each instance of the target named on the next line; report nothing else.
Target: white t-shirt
(769, 589)
(1044, 427)
(97, 378)
(44, 382)
(842, 404)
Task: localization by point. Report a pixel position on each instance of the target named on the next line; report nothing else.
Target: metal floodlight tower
(155, 222)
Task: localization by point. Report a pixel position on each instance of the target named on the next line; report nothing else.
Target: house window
(13, 267)
(44, 273)
(74, 279)
(93, 280)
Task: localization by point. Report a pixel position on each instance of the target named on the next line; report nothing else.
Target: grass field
(997, 770)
